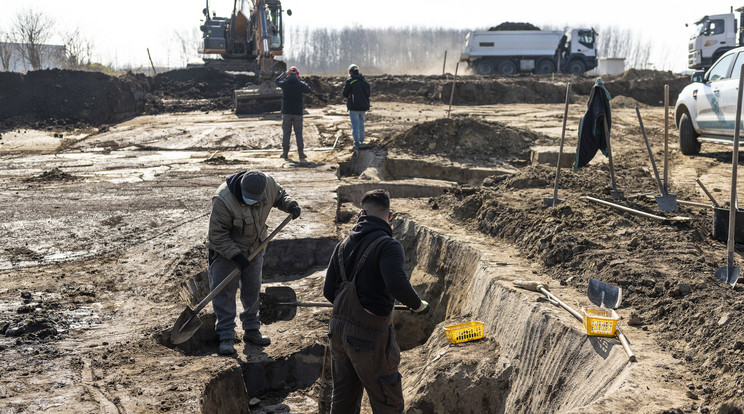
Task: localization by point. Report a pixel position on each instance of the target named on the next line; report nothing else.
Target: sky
(121, 32)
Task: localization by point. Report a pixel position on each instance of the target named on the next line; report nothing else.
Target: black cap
(252, 185)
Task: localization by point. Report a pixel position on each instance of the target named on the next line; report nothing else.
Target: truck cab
(712, 36)
(582, 51)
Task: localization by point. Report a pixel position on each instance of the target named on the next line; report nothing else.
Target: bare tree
(187, 44)
(6, 50)
(78, 50)
(32, 30)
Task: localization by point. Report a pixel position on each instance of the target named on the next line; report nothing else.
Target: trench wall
(557, 368)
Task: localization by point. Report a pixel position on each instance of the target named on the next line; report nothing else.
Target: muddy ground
(105, 223)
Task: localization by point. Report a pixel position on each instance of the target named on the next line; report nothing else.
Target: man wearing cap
(356, 92)
(365, 277)
(292, 107)
(237, 226)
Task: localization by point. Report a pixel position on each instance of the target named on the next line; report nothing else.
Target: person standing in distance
(237, 226)
(356, 92)
(364, 278)
(292, 107)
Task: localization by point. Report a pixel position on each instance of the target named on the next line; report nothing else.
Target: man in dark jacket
(237, 226)
(364, 278)
(292, 107)
(356, 92)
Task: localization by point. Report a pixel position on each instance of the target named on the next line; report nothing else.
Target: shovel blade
(667, 203)
(274, 306)
(723, 275)
(185, 327)
(550, 201)
(604, 294)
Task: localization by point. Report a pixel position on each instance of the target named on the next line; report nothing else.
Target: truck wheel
(506, 67)
(545, 67)
(576, 67)
(688, 138)
(484, 67)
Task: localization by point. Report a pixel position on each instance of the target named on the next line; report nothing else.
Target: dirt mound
(194, 89)
(45, 97)
(464, 140)
(625, 102)
(513, 26)
(55, 174)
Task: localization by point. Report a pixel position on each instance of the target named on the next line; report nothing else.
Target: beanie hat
(252, 185)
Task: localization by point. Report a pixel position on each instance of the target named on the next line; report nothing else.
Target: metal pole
(609, 155)
(445, 63)
(452, 93)
(560, 151)
(734, 165)
(666, 139)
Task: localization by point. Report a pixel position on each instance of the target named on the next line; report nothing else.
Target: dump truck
(713, 36)
(250, 40)
(508, 52)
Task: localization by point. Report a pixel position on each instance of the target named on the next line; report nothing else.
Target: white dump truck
(507, 52)
(713, 36)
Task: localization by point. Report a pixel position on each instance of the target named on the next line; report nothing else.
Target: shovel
(730, 273)
(188, 322)
(666, 202)
(553, 201)
(279, 303)
(603, 294)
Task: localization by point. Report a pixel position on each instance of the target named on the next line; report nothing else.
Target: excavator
(251, 40)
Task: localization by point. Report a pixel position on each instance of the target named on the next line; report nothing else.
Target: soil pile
(46, 97)
(464, 140)
(197, 89)
(665, 270)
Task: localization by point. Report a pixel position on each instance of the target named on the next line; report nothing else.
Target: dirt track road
(103, 228)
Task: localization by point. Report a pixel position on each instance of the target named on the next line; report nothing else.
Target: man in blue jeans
(356, 92)
(237, 226)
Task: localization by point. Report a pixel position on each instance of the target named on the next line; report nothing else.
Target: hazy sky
(123, 30)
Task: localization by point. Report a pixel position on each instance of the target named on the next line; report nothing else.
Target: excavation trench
(533, 357)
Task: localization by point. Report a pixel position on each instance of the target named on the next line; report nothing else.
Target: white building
(12, 59)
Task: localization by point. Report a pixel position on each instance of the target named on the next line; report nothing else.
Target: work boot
(254, 336)
(302, 155)
(285, 155)
(226, 347)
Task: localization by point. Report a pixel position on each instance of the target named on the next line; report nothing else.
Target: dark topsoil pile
(464, 140)
(69, 99)
(666, 270)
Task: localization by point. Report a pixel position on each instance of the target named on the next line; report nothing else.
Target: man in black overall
(364, 278)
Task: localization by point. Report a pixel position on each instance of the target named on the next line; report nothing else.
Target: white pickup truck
(706, 109)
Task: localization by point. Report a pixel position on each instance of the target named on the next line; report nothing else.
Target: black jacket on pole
(591, 127)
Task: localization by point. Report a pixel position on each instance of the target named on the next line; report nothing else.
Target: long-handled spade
(614, 192)
(188, 322)
(666, 202)
(553, 201)
(730, 273)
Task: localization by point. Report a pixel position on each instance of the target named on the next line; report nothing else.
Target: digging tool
(452, 93)
(705, 190)
(548, 201)
(615, 193)
(536, 286)
(604, 294)
(279, 303)
(666, 139)
(666, 202)
(636, 212)
(730, 273)
(188, 322)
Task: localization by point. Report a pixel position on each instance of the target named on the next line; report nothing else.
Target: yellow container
(464, 332)
(600, 322)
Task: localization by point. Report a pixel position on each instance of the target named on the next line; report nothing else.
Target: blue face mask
(249, 201)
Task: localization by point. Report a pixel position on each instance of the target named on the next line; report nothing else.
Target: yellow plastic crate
(600, 322)
(464, 332)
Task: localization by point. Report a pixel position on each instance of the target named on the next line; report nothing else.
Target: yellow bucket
(464, 332)
(600, 322)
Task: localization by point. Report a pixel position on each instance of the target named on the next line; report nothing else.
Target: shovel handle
(328, 305)
(626, 345)
(236, 271)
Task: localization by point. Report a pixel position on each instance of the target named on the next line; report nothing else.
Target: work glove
(295, 210)
(424, 309)
(241, 261)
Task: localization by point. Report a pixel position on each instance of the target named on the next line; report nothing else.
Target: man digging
(237, 226)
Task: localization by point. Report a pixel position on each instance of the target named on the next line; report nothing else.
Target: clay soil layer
(105, 224)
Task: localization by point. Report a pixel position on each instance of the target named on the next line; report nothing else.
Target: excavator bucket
(256, 99)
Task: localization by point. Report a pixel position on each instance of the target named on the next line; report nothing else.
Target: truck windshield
(586, 38)
(709, 27)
